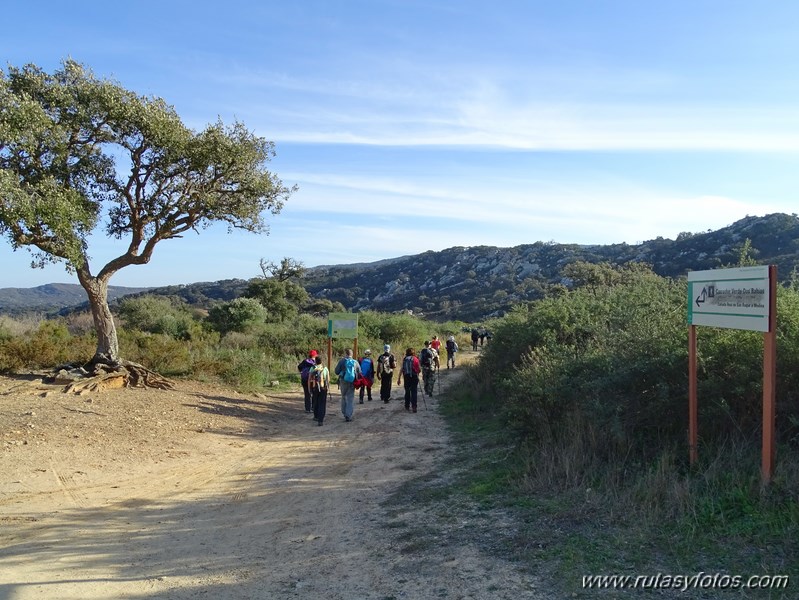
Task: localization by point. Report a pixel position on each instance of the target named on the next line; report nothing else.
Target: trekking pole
(424, 396)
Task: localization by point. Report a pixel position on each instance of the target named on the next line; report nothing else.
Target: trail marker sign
(742, 298)
(731, 298)
(342, 326)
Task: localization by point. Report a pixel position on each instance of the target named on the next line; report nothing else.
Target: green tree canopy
(80, 154)
(241, 314)
(281, 299)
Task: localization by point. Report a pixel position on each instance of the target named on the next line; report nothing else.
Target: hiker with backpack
(319, 382)
(348, 370)
(386, 363)
(410, 370)
(367, 375)
(475, 337)
(304, 368)
(428, 359)
(452, 348)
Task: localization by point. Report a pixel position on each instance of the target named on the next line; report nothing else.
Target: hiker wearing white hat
(386, 363)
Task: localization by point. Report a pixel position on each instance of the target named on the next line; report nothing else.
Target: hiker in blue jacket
(348, 370)
(367, 374)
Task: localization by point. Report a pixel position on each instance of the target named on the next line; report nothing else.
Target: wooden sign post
(742, 298)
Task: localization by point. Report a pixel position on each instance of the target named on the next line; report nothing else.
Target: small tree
(287, 269)
(78, 153)
(241, 314)
(281, 297)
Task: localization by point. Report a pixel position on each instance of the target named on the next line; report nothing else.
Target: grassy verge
(665, 524)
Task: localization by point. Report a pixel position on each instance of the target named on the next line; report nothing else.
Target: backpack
(306, 369)
(366, 367)
(384, 364)
(427, 358)
(407, 366)
(316, 378)
(349, 369)
(451, 346)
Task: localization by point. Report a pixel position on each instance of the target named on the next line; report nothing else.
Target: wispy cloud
(559, 127)
(538, 109)
(590, 212)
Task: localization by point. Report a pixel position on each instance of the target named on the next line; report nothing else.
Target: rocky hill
(471, 283)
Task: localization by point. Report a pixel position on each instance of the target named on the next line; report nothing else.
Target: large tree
(80, 154)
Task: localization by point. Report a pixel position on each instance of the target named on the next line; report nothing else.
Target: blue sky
(421, 125)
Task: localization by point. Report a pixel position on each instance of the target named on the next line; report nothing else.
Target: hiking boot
(360, 402)
(319, 423)
(414, 409)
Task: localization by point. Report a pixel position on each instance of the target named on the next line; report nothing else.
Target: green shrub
(242, 315)
(158, 314)
(5, 329)
(158, 352)
(49, 345)
(616, 357)
(240, 350)
(401, 330)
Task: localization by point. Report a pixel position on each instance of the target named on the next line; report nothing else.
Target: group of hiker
(360, 374)
(480, 334)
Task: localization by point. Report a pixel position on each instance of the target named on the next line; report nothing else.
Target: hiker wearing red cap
(304, 368)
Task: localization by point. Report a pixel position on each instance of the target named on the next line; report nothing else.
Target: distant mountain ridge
(52, 297)
(471, 283)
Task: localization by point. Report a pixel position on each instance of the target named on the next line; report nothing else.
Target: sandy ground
(203, 492)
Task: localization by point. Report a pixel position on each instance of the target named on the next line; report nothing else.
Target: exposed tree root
(101, 376)
(140, 376)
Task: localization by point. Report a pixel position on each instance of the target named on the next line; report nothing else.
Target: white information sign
(732, 298)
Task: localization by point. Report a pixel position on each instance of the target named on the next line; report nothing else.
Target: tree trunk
(107, 343)
(106, 368)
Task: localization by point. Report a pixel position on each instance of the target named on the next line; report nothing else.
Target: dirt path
(203, 492)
